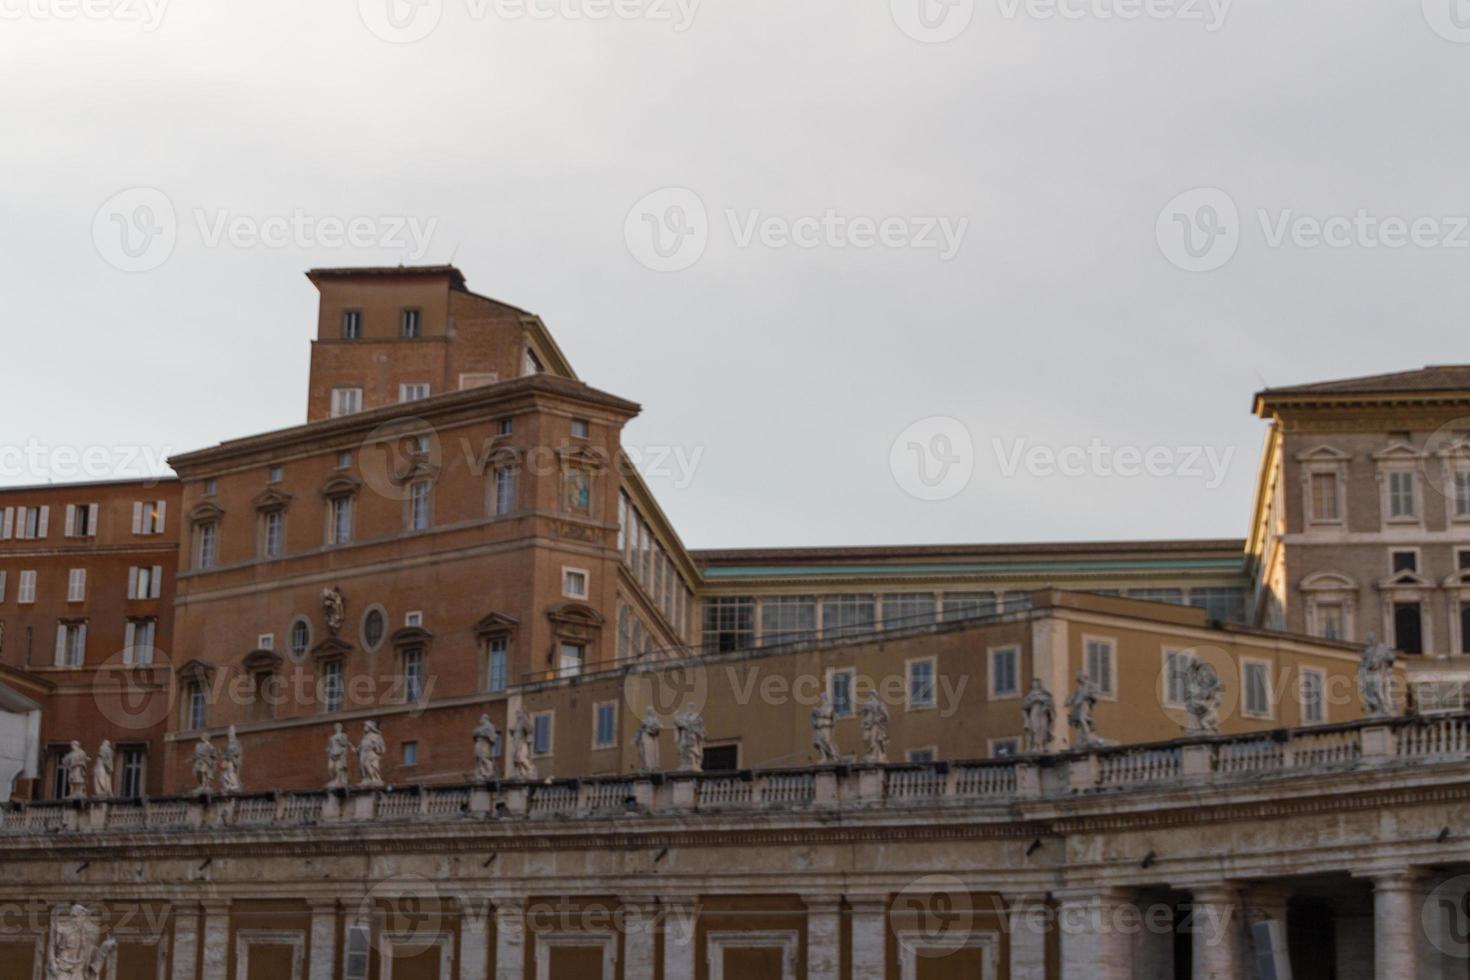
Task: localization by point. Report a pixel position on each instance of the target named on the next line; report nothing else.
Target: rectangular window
(413, 674)
(581, 429)
(1402, 504)
(418, 506)
(81, 520)
(340, 531)
(848, 615)
(273, 534)
(1314, 705)
(148, 516)
(194, 705)
(332, 686)
(570, 658)
(968, 605)
(1005, 672)
(574, 583)
(840, 689)
(145, 582)
(497, 676)
(71, 644)
(1404, 561)
(506, 426)
(1408, 627)
(920, 756)
(1225, 604)
(59, 782)
(1171, 596)
(32, 522)
(788, 619)
(605, 721)
(1257, 689)
(275, 474)
(532, 363)
(351, 324)
(729, 624)
(408, 324)
(7, 522)
(132, 774)
(205, 545)
(346, 401)
(2, 584)
(1462, 493)
(1331, 621)
(1176, 674)
(1004, 748)
(921, 683)
(541, 733)
(1324, 497)
(1099, 656)
(413, 392)
(76, 585)
(903, 610)
(505, 490)
(355, 963)
(26, 590)
(139, 638)
(410, 753)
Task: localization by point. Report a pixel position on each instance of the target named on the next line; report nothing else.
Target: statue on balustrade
(824, 721)
(1375, 678)
(102, 771)
(75, 763)
(522, 748)
(1079, 713)
(645, 740)
(1039, 712)
(875, 730)
(486, 738)
(1202, 699)
(370, 752)
(339, 749)
(231, 761)
(74, 947)
(689, 732)
(206, 758)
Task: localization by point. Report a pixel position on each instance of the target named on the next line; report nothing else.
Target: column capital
(869, 904)
(1214, 892)
(821, 901)
(216, 906)
(321, 905)
(1395, 879)
(1087, 895)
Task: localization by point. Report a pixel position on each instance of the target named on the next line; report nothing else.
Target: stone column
(640, 920)
(680, 918)
(216, 939)
(1397, 903)
(510, 938)
(186, 941)
(869, 936)
(323, 962)
(1028, 916)
(1216, 924)
(823, 937)
(474, 939)
(1095, 946)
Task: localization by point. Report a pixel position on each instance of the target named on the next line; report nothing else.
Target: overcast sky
(987, 199)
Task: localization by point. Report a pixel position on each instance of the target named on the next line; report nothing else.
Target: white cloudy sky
(1061, 320)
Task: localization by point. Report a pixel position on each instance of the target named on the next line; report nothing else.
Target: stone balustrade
(1218, 760)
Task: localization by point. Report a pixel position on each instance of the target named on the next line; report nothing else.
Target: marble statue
(875, 719)
(370, 753)
(522, 748)
(339, 748)
(689, 737)
(75, 762)
(1079, 713)
(74, 949)
(486, 738)
(102, 771)
(645, 740)
(1202, 699)
(1039, 712)
(334, 608)
(1375, 679)
(824, 720)
(231, 761)
(206, 759)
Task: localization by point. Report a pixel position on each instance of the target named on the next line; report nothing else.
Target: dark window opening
(1408, 628)
(722, 758)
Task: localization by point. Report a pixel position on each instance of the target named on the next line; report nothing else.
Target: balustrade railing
(1011, 782)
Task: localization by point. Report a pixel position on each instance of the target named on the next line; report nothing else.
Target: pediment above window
(341, 486)
(196, 671)
(1329, 582)
(1405, 580)
(411, 636)
(205, 513)
(1398, 452)
(272, 499)
(332, 648)
(262, 661)
(496, 624)
(1323, 454)
(1457, 448)
(583, 456)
